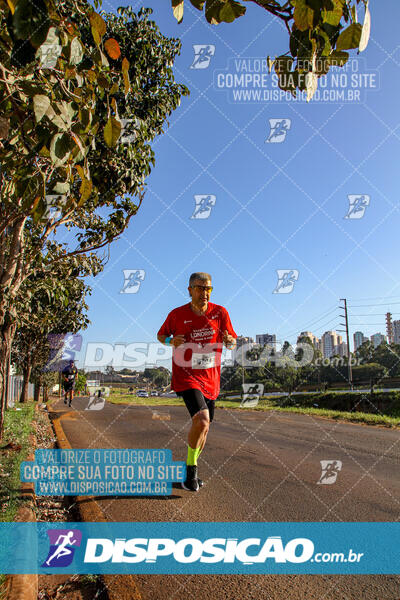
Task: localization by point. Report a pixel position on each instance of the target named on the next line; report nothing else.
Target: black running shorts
(195, 401)
(68, 386)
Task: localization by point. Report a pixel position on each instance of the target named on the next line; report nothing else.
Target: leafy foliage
(70, 79)
(387, 355)
(50, 303)
(62, 120)
(278, 370)
(61, 125)
(80, 383)
(320, 33)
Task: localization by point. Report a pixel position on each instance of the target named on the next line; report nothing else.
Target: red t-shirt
(196, 364)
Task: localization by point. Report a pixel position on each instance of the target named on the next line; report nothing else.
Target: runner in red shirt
(197, 331)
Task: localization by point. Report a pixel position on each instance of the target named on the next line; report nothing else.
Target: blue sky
(278, 206)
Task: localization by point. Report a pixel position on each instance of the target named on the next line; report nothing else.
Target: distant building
(316, 342)
(359, 338)
(241, 340)
(377, 339)
(341, 349)
(330, 340)
(266, 338)
(396, 332)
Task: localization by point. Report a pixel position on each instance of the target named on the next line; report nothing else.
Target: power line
(315, 322)
(367, 324)
(372, 315)
(373, 298)
(367, 305)
(323, 316)
(297, 332)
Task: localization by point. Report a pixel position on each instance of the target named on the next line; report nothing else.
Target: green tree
(388, 355)
(365, 352)
(126, 371)
(160, 377)
(304, 339)
(304, 350)
(56, 305)
(60, 134)
(252, 355)
(320, 33)
(233, 377)
(80, 382)
(288, 378)
(369, 372)
(227, 373)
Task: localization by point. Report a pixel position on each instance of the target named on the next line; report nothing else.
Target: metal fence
(14, 389)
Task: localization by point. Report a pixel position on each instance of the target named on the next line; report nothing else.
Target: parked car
(142, 394)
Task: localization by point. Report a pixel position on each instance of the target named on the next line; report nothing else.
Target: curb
(24, 587)
(118, 587)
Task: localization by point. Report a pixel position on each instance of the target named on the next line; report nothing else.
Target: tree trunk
(27, 375)
(7, 330)
(36, 394)
(12, 275)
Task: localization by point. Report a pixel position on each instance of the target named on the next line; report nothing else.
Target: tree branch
(103, 242)
(51, 226)
(284, 12)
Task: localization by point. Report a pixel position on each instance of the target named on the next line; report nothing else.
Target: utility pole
(346, 324)
(242, 372)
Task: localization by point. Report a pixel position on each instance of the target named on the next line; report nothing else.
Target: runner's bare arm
(176, 341)
(228, 340)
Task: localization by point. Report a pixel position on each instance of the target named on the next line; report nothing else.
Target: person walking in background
(69, 374)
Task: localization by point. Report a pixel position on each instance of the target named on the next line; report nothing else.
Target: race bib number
(203, 361)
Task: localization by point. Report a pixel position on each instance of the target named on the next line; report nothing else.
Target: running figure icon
(203, 54)
(204, 205)
(357, 206)
(132, 280)
(62, 550)
(278, 130)
(330, 470)
(286, 280)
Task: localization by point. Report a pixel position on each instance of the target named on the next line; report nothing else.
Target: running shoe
(191, 484)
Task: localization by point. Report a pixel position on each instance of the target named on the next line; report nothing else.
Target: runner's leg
(198, 408)
(198, 432)
(210, 411)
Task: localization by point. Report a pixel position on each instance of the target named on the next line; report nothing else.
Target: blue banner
(104, 472)
(200, 548)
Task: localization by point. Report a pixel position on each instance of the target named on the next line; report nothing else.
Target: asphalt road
(256, 467)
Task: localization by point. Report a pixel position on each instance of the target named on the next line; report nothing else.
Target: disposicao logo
(62, 547)
(190, 550)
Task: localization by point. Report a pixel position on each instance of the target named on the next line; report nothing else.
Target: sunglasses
(207, 288)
